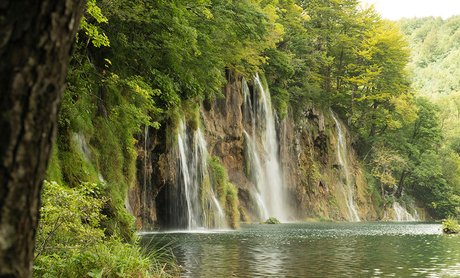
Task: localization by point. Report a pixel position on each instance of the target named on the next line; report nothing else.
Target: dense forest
(143, 64)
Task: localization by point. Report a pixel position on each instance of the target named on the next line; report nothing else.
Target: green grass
(108, 259)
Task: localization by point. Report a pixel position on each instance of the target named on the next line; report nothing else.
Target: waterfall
(189, 185)
(219, 218)
(266, 173)
(342, 156)
(83, 147)
(146, 155)
(256, 176)
(85, 150)
(201, 210)
(216, 219)
(401, 213)
(400, 207)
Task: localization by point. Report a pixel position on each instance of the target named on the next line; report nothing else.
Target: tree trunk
(36, 41)
(352, 106)
(339, 71)
(374, 125)
(401, 181)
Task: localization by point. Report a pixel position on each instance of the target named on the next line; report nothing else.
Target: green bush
(450, 225)
(272, 220)
(71, 243)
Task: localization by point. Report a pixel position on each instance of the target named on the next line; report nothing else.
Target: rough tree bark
(36, 41)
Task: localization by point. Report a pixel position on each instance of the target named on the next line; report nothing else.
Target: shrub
(450, 225)
(71, 243)
(272, 220)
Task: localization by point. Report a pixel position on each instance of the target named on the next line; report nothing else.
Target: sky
(396, 9)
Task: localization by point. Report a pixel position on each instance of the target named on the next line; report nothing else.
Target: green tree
(378, 78)
(333, 24)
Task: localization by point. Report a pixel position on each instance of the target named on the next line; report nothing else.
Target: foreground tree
(36, 39)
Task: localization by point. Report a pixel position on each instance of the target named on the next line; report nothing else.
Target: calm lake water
(363, 249)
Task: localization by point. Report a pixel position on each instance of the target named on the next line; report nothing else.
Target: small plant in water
(272, 220)
(450, 225)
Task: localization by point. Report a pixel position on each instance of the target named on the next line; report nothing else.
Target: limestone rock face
(312, 176)
(222, 119)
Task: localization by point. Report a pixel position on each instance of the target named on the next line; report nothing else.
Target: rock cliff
(314, 183)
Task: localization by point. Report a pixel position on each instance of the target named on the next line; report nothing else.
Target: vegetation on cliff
(227, 192)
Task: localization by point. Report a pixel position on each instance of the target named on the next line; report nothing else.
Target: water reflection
(321, 250)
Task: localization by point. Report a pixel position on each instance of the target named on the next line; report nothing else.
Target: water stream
(342, 156)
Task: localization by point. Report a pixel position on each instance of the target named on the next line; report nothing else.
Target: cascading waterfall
(401, 213)
(400, 207)
(267, 176)
(84, 149)
(188, 185)
(146, 155)
(82, 145)
(216, 219)
(256, 176)
(342, 156)
(219, 218)
(193, 172)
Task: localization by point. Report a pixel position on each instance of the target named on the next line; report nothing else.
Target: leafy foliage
(72, 243)
(272, 220)
(450, 225)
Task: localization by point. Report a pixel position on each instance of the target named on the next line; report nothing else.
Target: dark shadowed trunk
(36, 39)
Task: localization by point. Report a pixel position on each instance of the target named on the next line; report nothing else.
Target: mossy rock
(244, 216)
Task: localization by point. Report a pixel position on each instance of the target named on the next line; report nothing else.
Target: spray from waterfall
(342, 156)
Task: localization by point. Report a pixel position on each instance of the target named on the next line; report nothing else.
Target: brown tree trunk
(374, 125)
(352, 106)
(36, 41)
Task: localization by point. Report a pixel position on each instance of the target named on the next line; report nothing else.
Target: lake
(359, 249)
